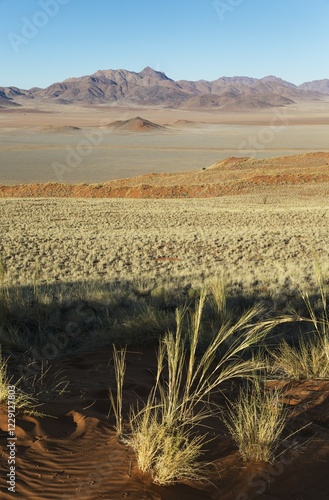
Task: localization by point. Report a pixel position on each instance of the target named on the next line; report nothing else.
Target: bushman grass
(308, 359)
(23, 402)
(256, 421)
(163, 432)
(119, 359)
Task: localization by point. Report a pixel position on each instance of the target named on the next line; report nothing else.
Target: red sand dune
(227, 177)
(136, 124)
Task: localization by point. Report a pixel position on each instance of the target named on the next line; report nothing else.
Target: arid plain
(78, 274)
(92, 151)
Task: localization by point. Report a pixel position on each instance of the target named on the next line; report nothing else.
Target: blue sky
(187, 39)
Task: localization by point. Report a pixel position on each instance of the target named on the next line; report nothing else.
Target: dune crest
(227, 177)
(136, 124)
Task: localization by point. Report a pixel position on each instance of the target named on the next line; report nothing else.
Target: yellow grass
(163, 431)
(22, 402)
(310, 357)
(256, 421)
(129, 273)
(119, 360)
(166, 242)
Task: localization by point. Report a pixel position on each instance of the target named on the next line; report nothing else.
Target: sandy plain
(33, 141)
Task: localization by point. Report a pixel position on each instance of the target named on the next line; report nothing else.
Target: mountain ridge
(150, 87)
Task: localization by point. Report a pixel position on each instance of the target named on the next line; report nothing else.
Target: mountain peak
(150, 72)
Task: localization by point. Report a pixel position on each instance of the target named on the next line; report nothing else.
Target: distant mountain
(316, 85)
(155, 88)
(7, 95)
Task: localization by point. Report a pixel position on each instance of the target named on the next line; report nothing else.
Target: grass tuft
(23, 402)
(256, 421)
(119, 358)
(309, 360)
(163, 431)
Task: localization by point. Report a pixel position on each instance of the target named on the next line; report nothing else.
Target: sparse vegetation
(185, 281)
(169, 453)
(308, 358)
(116, 401)
(23, 402)
(164, 430)
(167, 244)
(46, 385)
(256, 421)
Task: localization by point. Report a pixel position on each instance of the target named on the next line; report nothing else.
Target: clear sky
(44, 41)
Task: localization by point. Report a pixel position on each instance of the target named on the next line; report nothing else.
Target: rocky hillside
(155, 88)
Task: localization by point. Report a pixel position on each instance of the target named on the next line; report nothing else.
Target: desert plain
(85, 141)
(109, 223)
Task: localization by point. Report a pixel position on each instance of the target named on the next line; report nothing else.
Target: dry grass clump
(308, 359)
(256, 421)
(169, 453)
(163, 433)
(165, 430)
(218, 296)
(4, 382)
(47, 385)
(22, 402)
(119, 359)
(145, 323)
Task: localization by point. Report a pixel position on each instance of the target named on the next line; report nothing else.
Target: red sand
(76, 454)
